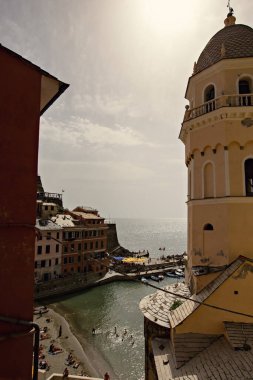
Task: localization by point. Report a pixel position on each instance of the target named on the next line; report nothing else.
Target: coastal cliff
(113, 246)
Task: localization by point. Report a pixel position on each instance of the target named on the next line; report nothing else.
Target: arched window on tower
(245, 88)
(209, 95)
(208, 181)
(248, 168)
(208, 227)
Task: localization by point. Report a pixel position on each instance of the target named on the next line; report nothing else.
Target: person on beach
(106, 376)
(65, 374)
(93, 331)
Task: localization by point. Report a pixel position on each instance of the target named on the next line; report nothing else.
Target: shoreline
(92, 359)
(89, 361)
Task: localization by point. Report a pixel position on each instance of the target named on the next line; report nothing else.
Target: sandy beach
(85, 362)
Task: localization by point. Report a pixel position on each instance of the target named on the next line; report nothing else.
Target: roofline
(206, 68)
(62, 86)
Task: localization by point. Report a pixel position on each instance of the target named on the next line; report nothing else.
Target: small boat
(155, 278)
(161, 277)
(179, 272)
(171, 274)
(144, 280)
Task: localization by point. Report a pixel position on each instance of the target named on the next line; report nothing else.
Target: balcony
(243, 100)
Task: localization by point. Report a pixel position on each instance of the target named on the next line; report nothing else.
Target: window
(79, 258)
(209, 95)
(85, 246)
(208, 181)
(102, 244)
(65, 260)
(46, 207)
(48, 235)
(43, 263)
(79, 247)
(52, 208)
(72, 247)
(39, 250)
(91, 245)
(248, 168)
(57, 248)
(245, 88)
(58, 235)
(208, 227)
(65, 248)
(47, 248)
(96, 244)
(56, 261)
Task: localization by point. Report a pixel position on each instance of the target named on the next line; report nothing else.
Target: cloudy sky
(111, 140)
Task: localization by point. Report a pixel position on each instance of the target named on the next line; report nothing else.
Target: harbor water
(113, 309)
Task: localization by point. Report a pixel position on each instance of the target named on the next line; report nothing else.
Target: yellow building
(218, 136)
(208, 333)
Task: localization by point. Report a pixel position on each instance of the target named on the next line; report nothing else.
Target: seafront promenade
(79, 282)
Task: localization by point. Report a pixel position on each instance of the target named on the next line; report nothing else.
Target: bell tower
(217, 131)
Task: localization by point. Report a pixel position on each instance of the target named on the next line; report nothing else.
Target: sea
(115, 307)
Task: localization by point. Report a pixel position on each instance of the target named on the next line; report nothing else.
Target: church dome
(233, 41)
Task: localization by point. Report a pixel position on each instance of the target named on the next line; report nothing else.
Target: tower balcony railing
(237, 100)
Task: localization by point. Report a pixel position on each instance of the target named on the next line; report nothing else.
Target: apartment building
(84, 241)
(48, 250)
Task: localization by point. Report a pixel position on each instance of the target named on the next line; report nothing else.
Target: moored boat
(171, 274)
(155, 278)
(179, 272)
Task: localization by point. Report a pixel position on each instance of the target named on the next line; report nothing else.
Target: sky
(111, 140)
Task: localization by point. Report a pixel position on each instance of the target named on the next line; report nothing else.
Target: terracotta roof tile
(236, 39)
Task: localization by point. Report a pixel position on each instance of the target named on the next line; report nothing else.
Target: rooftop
(46, 224)
(233, 41)
(156, 307)
(86, 215)
(63, 220)
(218, 361)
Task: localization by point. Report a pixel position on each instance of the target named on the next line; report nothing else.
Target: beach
(85, 362)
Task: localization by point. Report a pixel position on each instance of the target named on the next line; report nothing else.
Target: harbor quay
(119, 272)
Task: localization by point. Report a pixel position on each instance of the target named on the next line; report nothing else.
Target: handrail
(233, 100)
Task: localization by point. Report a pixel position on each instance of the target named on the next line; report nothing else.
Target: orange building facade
(84, 242)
